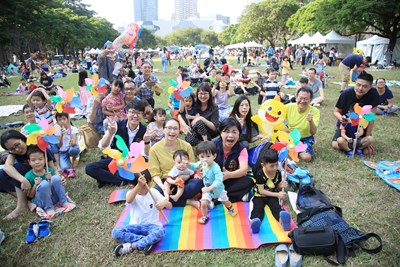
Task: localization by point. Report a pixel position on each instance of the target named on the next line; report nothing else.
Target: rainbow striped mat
(183, 232)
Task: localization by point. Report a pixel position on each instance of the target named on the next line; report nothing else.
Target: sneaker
(255, 225)
(359, 153)
(147, 250)
(203, 220)
(232, 211)
(349, 153)
(123, 249)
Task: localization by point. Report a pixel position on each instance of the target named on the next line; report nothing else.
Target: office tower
(185, 9)
(145, 10)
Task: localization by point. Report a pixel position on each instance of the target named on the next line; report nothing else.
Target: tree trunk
(392, 42)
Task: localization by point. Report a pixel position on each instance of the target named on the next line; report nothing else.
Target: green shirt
(30, 176)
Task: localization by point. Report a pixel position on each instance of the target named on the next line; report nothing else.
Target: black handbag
(318, 241)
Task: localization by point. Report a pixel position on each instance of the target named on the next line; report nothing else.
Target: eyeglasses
(15, 146)
(135, 113)
(170, 128)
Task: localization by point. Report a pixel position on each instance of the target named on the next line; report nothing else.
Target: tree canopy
(350, 17)
(191, 37)
(266, 21)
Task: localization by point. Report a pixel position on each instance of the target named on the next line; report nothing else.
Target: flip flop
(281, 255)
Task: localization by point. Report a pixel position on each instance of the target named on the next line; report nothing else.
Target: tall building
(145, 10)
(185, 9)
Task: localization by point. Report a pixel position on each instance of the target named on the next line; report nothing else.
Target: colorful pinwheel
(292, 142)
(66, 101)
(126, 162)
(42, 134)
(96, 86)
(361, 118)
(180, 88)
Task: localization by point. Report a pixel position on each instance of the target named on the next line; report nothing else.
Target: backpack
(318, 211)
(255, 155)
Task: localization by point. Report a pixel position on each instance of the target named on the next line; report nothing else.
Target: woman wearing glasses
(12, 180)
(161, 162)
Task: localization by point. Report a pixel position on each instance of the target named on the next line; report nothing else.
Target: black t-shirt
(348, 99)
(261, 179)
(46, 81)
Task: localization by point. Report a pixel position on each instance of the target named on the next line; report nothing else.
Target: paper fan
(41, 134)
(181, 89)
(66, 101)
(361, 115)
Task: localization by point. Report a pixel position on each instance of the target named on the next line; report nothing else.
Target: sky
(120, 12)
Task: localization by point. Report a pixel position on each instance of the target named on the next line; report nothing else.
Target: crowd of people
(221, 136)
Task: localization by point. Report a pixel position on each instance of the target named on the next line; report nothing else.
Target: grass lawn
(83, 237)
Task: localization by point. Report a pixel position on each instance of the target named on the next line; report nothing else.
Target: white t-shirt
(67, 137)
(143, 209)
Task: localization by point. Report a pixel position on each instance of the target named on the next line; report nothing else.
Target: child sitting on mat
(178, 175)
(144, 228)
(212, 179)
(268, 192)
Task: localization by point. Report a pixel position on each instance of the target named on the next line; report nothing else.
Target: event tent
(317, 39)
(251, 44)
(302, 40)
(376, 47)
(334, 38)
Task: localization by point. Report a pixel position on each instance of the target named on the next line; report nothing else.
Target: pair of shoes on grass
(38, 231)
(285, 255)
(126, 248)
(359, 153)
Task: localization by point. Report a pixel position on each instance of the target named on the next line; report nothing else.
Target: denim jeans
(65, 162)
(164, 65)
(49, 193)
(142, 235)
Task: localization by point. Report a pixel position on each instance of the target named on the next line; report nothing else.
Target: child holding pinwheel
(144, 228)
(349, 133)
(47, 186)
(268, 191)
(67, 147)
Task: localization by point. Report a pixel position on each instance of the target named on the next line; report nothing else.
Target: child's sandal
(203, 220)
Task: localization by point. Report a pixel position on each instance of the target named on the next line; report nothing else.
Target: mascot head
(272, 111)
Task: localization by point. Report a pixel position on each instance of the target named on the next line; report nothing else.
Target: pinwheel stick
(283, 179)
(45, 159)
(355, 141)
(154, 199)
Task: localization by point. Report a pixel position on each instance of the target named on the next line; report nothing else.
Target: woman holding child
(12, 180)
(204, 125)
(161, 162)
(232, 157)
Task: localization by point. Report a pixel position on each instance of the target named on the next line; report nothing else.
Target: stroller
(4, 82)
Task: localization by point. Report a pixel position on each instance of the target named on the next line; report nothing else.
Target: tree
(350, 17)
(209, 38)
(147, 39)
(229, 35)
(266, 21)
(304, 19)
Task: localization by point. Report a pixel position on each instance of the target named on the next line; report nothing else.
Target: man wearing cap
(106, 62)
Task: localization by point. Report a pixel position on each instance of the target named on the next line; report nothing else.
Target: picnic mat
(9, 109)
(388, 171)
(222, 231)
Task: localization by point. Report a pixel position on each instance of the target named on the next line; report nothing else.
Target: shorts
(309, 141)
(358, 145)
(222, 197)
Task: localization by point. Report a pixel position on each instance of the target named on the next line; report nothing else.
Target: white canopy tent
(344, 45)
(251, 44)
(317, 39)
(375, 47)
(302, 40)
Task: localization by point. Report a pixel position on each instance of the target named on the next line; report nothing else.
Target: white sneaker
(123, 249)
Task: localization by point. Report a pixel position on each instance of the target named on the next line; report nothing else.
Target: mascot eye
(269, 108)
(279, 112)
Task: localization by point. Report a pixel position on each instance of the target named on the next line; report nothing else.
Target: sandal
(203, 220)
(70, 173)
(44, 228)
(31, 235)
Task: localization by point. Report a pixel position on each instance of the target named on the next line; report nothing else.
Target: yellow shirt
(285, 67)
(161, 159)
(299, 120)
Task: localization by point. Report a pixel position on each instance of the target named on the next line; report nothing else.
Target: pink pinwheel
(181, 89)
(126, 162)
(66, 101)
(96, 86)
(360, 118)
